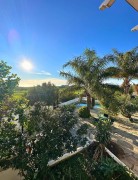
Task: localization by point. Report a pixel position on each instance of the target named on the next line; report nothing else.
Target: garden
(34, 129)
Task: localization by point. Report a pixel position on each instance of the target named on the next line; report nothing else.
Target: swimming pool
(97, 106)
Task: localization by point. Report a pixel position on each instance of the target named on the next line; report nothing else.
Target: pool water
(81, 105)
(97, 106)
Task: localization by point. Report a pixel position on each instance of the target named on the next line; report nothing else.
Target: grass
(19, 94)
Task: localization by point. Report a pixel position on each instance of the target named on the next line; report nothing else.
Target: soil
(116, 149)
(112, 146)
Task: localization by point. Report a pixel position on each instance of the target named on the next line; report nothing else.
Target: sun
(26, 65)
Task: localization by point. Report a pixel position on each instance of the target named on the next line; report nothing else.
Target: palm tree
(85, 73)
(125, 67)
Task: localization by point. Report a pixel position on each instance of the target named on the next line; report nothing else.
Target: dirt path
(125, 134)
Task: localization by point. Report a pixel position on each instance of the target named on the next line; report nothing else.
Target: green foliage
(110, 104)
(131, 90)
(46, 135)
(72, 168)
(103, 130)
(125, 67)
(82, 167)
(67, 97)
(69, 108)
(84, 112)
(128, 109)
(108, 169)
(8, 81)
(47, 93)
(19, 94)
(8, 135)
(114, 103)
(29, 138)
(127, 105)
(85, 74)
(66, 94)
(21, 106)
(83, 129)
(118, 102)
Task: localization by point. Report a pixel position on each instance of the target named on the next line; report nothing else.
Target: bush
(69, 108)
(66, 96)
(83, 129)
(109, 169)
(81, 167)
(84, 112)
(47, 135)
(70, 169)
(103, 130)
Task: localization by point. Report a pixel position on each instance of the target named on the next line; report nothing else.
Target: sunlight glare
(26, 65)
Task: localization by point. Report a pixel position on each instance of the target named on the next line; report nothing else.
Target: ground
(125, 134)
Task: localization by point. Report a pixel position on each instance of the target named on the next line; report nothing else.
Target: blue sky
(48, 33)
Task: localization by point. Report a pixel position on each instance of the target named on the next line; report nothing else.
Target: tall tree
(8, 82)
(47, 93)
(37, 135)
(125, 66)
(67, 93)
(85, 73)
(48, 134)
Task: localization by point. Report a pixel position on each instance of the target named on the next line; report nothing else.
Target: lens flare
(26, 65)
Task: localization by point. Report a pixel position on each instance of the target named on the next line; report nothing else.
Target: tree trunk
(93, 102)
(89, 102)
(126, 85)
(80, 97)
(136, 88)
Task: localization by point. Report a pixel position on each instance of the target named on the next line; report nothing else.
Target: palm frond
(72, 89)
(112, 87)
(72, 79)
(111, 72)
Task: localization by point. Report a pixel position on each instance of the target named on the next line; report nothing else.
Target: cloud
(42, 73)
(35, 82)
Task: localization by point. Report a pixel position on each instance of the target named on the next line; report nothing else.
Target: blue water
(97, 106)
(81, 105)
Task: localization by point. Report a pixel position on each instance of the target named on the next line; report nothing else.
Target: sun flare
(26, 65)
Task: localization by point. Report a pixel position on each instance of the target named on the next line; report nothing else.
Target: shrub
(83, 129)
(103, 130)
(69, 108)
(46, 93)
(47, 135)
(109, 169)
(84, 112)
(66, 96)
(81, 167)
